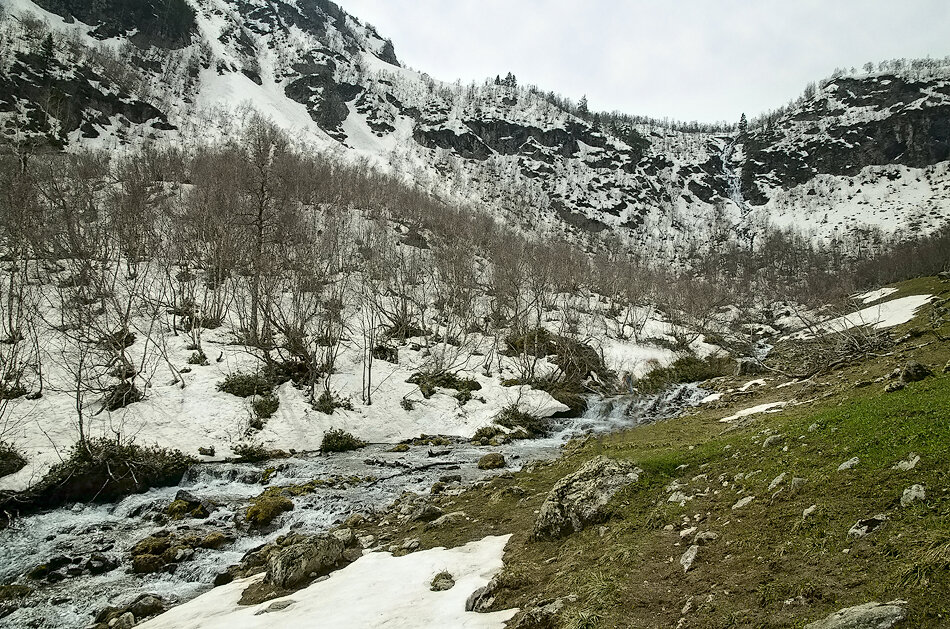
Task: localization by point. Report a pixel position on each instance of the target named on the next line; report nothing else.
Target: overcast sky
(687, 59)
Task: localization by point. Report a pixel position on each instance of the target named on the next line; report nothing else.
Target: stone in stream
(492, 461)
(581, 498)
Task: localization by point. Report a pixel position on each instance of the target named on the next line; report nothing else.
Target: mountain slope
(864, 150)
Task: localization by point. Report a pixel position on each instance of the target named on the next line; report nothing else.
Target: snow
(377, 590)
(712, 397)
(770, 407)
(881, 316)
(875, 295)
(752, 383)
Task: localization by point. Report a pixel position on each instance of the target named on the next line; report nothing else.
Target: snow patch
(377, 590)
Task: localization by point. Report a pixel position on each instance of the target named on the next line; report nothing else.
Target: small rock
(206, 451)
(894, 386)
(366, 541)
(411, 544)
(866, 526)
(678, 496)
(705, 537)
(427, 513)
(868, 616)
(912, 494)
(908, 464)
(689, 557)
(442, 582)
(276, 606)
(809, 511)
(797, 484)
(914, 372)
(773, 440)
(744, 502)
(778, 480)
(849, 464)
(814, 428)
(125, 621)
(352, 554)
(492, 461)
(687, 532)
(449, 519)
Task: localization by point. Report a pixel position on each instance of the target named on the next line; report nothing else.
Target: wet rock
(581, 498)
(147, 564)
(913, 494)
(125, 621)
(215, 540)
(868, 525)
(451, 478)
(914, 372)
(492, 461)
(266, 507)
(187, 505)
(868, 616)
(100, 564)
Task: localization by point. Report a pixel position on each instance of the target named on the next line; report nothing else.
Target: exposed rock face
(867, 616)
(581, 498)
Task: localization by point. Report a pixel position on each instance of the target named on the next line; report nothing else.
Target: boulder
(914, 372)
(868, 616)
(492, 461)
(294, 565)
(581, 498)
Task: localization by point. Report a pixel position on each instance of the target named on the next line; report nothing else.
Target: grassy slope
(770, 566)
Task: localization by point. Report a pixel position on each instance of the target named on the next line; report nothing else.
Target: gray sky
(686, 59)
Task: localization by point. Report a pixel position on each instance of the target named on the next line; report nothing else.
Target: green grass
(770, 567)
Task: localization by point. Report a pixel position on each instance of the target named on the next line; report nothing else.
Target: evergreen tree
(582, 110)
(743, 125)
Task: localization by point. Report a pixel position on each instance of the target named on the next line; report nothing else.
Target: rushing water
(114, 528)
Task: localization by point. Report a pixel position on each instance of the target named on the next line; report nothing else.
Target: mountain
(862, 155)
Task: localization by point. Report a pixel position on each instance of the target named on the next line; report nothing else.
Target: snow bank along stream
(80, 531)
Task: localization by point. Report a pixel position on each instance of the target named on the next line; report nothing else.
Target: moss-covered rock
(266, 507)
(492, 461)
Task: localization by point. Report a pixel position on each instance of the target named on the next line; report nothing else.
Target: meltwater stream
(111, 530)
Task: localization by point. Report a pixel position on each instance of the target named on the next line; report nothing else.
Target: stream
(75, 596)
